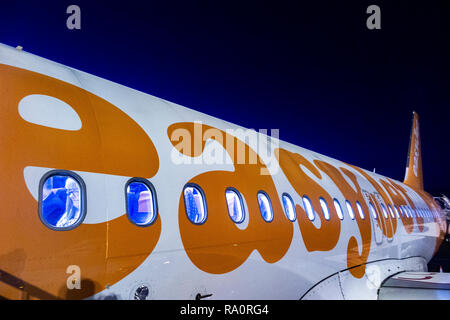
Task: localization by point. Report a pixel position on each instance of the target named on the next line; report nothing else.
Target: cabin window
(337, 205)
(141, 202)
(195, 204)
(396, 212)
(349, 210)
(289, 207)
(235, 205)
(409, 212)
(360, 210)
(308, 208)
(402, 211)
(372, 210)
(383, 208)
(390, 211)
(405, 212)
(265, 206)
(325, 211)
(62, 200)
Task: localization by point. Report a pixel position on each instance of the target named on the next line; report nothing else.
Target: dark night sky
(312, 70)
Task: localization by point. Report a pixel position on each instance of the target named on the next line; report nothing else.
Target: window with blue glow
(195, 204)
(325, 211)
(265, 206)
(62, 200)
(383, 208)
(338, 208)
(360, 210)
(289, 207)
(372, 210)
(350, 210)
(308, 208)
(405, 211)
(390, 211)
(396, 212)
(409, 212)
(235, 205)
(141, 203)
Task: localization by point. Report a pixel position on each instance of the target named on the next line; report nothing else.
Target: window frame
(154, 200)
(360, 210)
(285, 194)
(194, 185)
(340, 207)
(397, 212)
(384, 211)
(391, 211)
(372, 211)
(241, 200)
(270, 205)
(322, 200)
(351, 213)
(83, 197)
(312, 207)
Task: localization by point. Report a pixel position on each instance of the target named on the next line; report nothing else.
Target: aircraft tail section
(414, 176)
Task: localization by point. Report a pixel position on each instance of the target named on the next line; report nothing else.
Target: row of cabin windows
(196, 208)
(62, 204)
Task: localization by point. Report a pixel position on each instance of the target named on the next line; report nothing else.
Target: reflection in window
(265, 207)
(61, 201)
(289, 208)
(195, 204)
(350, 210)
(308, 207)
(326, 212)
(141, 207)
(372, 210)
(337, 205)
(360, 210)
(234, 204)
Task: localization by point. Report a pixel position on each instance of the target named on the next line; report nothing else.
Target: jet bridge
(416, 286)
